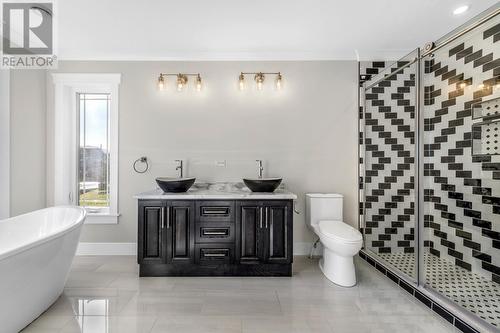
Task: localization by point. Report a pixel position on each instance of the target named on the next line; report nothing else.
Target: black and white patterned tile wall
(462, 161)
(389, 124)
(367, 69)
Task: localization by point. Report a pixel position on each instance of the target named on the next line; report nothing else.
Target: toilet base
(340, 270)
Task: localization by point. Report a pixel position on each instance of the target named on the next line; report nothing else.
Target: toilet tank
(323, 206)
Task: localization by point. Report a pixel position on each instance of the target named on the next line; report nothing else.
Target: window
(85, 145)
(93, 152)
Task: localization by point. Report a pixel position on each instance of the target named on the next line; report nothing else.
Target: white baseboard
(130, 249)
(106, 249)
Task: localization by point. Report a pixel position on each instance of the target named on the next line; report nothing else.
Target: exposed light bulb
(241, 82)
(481, 86)
(279, 81)
(198, 83)
(181, 81)
(161, 82)
(460, 10)
(259, 78)
(462, 85)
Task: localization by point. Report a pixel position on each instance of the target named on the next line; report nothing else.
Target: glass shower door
(461, 180)
(389, 195)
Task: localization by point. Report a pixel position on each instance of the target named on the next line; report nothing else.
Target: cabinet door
(278, 232)
(249, 222)
(180, 226)
(151, 233)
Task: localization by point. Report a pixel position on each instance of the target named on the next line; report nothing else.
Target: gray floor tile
(198, 324)
(105, 294)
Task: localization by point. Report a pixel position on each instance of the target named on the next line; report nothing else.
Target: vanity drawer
(215, 210)
(214, 254)
(214, 232)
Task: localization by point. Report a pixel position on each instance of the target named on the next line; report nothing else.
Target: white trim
(102, 219)
(4, 144)
(72, 79)
(65, 138)
(340, 55)
(106, 249)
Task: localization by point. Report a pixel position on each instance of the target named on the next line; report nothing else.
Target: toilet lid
(340, 230)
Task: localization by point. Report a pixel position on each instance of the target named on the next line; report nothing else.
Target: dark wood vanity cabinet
(277, 236)
(264, 232)
(166, 232)
(180, 231)
(215, 238)
(151, 245)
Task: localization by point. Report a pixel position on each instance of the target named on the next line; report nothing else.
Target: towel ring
(143, 159)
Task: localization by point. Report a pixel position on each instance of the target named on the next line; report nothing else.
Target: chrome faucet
(180, 167)
(261, 168)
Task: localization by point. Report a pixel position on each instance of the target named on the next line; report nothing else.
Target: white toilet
(341, 242)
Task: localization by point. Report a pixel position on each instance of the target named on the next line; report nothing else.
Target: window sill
(101, 218)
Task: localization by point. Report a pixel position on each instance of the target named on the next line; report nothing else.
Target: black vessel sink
(262, 184)
(175, 185)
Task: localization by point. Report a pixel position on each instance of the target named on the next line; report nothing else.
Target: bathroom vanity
(220, 229)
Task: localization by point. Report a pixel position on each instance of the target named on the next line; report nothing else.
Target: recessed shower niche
(486, 128)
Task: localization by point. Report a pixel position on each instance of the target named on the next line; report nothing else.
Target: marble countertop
(222, 191)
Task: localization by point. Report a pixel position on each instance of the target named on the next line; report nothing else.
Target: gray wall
(27, 141)
(4, 143)
(306, 133)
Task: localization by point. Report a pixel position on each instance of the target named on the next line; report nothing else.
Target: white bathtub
(36, 251)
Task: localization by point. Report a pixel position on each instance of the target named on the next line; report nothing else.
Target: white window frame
(65, 187)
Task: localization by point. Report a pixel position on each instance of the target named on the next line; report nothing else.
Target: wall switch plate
(220, 164)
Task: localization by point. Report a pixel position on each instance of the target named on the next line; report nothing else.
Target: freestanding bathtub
(36, 251)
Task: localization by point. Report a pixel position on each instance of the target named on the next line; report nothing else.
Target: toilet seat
(340, 231)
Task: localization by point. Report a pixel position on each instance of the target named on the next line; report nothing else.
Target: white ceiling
(253, 29)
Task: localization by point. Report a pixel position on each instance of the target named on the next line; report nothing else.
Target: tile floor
(105, 294)
(475, 293)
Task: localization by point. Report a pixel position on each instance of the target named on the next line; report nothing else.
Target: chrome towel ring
(142, 159)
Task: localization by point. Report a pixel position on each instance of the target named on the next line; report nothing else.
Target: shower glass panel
(389, 196)
(461, 171)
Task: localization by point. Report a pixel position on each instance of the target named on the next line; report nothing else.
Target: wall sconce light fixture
(181, 81)
(279, 81)
(198, 83)
(241, 81)
(259, 78)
